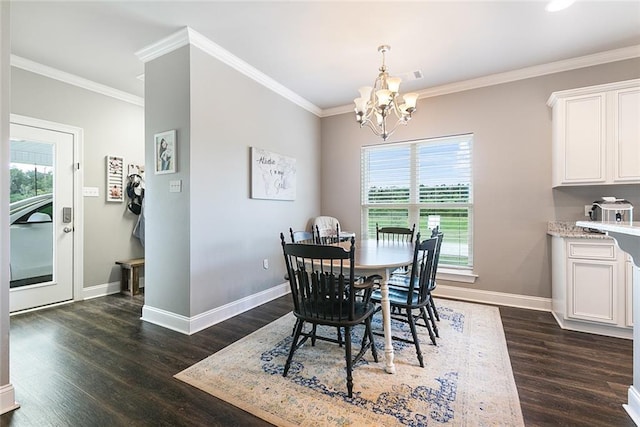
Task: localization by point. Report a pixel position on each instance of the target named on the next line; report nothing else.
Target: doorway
(45, 213)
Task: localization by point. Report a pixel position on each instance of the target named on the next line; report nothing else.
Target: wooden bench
(130, 275)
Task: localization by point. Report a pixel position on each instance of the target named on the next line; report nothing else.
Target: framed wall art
(273, 176)
(165, 145)
(115, 179)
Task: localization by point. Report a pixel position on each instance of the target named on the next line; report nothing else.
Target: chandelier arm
(396, 108)
(375, 130)
(368, 114)
(399, 122)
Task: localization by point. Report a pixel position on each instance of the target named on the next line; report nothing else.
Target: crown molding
(187, 36)
(163, 46)
(72, 79)
(511, 76)
(589, 90)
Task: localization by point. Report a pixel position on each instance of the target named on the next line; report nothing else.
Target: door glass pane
(31, 213)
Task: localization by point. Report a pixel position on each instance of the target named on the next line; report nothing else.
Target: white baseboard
(103, 290)
(633, 407)
(100, 290)
(8, 399)
(191, 325)
(491, 297)
(593, 328)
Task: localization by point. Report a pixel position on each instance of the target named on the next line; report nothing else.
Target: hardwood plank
(567, 378)
(96, 363)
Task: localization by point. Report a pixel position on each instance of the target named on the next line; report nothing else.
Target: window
(426, 182)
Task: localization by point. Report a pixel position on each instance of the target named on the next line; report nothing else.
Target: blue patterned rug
(467, 379)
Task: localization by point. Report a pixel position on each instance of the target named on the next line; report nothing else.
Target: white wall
(513, 199)
(111, 127)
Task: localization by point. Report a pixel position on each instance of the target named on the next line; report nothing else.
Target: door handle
(67, 229)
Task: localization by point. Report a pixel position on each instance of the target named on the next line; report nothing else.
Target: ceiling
(323, 51)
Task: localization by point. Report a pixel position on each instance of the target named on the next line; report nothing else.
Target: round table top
(373, 254)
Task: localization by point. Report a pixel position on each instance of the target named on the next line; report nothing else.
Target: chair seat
(402, 281)
(397, 297)
(332, 314)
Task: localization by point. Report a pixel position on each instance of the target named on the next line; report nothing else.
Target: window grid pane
(454, 223)
(389, 177)
(385, 217)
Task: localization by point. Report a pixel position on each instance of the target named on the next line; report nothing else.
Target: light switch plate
(175, 186)
(90, 192)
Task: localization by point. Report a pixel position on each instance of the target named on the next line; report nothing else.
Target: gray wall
(167, 222)
(111, 127)
(224, 234)
(513, 199)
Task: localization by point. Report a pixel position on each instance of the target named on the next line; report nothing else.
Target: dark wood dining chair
(325, 226)
(395, 234)
(412, 292)
(440, 236)
(305, 237)
(435, 233)
(325, 292)
(327, 237)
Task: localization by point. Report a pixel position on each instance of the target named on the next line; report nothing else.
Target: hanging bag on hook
(135, 192)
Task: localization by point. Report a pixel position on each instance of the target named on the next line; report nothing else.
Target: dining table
(382, 257)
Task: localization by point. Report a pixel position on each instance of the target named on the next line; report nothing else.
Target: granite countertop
(613, 227)
(569, 229)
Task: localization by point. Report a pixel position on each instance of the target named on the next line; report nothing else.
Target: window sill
(453, 275)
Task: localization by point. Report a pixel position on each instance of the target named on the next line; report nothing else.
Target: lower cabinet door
(592, 291)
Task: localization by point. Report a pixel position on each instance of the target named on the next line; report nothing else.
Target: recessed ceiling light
(556, 5)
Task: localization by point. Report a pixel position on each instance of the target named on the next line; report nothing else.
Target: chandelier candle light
(377, 103)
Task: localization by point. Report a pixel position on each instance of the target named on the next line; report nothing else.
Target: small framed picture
(115, 179)
(165, 152)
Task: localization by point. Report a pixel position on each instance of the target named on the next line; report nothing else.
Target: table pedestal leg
(386, 324)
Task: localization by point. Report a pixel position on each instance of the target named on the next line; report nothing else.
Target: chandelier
(382, 101)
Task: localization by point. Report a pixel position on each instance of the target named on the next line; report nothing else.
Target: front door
(41, 215)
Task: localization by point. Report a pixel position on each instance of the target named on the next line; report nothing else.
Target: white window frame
(446, 272)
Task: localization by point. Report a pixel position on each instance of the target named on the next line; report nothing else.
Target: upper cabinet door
(596, 134)
(584, 140)
(626, 135)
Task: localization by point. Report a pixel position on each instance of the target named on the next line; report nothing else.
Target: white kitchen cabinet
(590, 286)
(626, 135)
(596, 134)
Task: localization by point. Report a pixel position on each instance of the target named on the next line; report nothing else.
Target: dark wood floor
(95, 363)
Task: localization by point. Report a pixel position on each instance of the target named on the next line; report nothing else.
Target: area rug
(467, 379)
